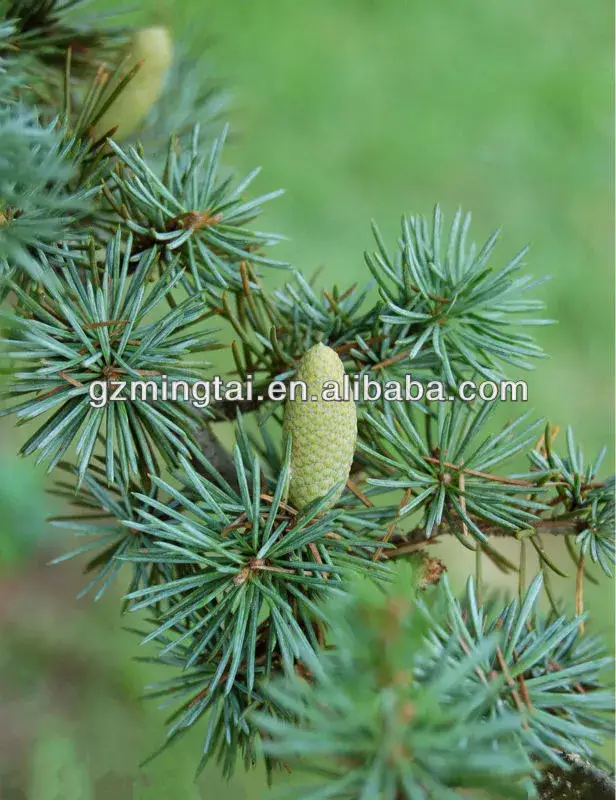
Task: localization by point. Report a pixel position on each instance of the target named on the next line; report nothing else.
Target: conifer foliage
(299, 612)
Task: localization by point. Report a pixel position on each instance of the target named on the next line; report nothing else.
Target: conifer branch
(581, 781)
(274, 569)
(408, 542)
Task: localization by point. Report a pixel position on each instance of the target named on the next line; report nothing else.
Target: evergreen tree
(288, 583)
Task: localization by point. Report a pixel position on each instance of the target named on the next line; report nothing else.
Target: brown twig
(488, 476)
(416, 538)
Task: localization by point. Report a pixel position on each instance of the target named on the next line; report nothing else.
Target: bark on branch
(216, 454)
(416, 538)
(582, 781)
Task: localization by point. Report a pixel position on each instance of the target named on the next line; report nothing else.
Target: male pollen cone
(323, 432)
(154, 49)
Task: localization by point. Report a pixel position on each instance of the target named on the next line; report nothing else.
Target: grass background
(361, 109)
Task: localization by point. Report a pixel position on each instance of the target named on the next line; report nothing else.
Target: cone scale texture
(323, 432)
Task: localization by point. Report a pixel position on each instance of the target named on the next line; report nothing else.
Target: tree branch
(582, 782)
(488, 476)
(416, 538)
(214, 452)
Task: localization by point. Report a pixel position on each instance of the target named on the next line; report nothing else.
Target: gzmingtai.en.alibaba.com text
(358, 387)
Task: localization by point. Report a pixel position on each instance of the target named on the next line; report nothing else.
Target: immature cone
(323, 432)
(153, 48)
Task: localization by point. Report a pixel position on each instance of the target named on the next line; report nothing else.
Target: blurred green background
(360, 109)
